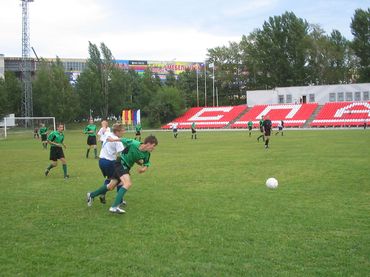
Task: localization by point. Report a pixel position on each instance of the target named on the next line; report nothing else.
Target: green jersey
(43, 130)
(132, 154)
(250, 124)
(193, 126)
(56, 137)
(90, 127)
(138, 128)
(261, 123)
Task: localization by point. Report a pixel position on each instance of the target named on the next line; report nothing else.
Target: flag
(129, 117)
(138, 117)
(123, 116)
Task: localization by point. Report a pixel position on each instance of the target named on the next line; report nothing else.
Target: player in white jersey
(107, 158)
(103, 131)
(174, 129)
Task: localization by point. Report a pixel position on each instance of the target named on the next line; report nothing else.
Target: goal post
(22, 123)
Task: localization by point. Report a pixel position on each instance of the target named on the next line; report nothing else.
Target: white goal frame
(24, 118)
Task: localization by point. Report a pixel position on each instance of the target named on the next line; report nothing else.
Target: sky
(159, 30)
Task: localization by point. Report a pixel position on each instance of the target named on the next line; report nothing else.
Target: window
(357, 96)
(340, 96)
(288, 98)
(281, 99)
(312, 97)
(365, 96)
(349, 96)
(332, 97)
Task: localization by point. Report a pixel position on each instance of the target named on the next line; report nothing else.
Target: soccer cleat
(102, 199)
(89, 199)
(123, 203)
(47, 172)
(116, 210)
(66, 177)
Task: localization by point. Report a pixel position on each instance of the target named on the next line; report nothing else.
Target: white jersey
(110, 150)
(102, 133)
(174, 126)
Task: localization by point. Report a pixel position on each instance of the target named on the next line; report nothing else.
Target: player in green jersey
(44, 136)
(138, 131)
(134, 152)
(90, 130)
(193, 131)
(261, 129)
(250, 126)
(55, 139)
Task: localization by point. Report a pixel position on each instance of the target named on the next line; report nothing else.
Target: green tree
(10, 94)
(360, 27)
(165, 106)
(53, 94)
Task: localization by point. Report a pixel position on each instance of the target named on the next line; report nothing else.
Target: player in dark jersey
(193, 131)
(267, 125)
(90, 130)
(44, 136)
(250, 126)
(55, 139)
(138, 132)
(135, 152)
(261, 129)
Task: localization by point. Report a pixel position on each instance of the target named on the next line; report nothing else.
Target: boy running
(135, 152)
(250, 126)
(55, 139)
(138, 131)
(193, 131)
(280, 127)
(44, 136)
(174, 130)
(108, 155)
(261, 129)
(90, 130)
(267, 125)
(103, 131)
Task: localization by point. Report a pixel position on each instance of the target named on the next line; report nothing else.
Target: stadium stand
(293, 115)
(343, 114)
(207, 117)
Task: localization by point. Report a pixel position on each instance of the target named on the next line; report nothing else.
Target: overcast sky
(155, 29)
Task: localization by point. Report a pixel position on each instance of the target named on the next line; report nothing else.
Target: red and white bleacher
(337, 114)
(207, 117)
(293, 115)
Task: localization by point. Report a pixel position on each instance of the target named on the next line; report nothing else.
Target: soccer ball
(272, 183)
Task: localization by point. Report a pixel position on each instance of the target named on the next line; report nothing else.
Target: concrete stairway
(237, 118)
(313, 116)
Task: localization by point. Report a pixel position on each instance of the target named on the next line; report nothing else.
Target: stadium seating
(207, 117)
(293, 115)
(342, 114)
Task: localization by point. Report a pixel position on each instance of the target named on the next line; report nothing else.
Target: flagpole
(205, 84)
(197, 86)
(216, 96)
(213, 90)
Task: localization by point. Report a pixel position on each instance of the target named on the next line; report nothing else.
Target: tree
(360, 28)
(53, 94)
(165, 106)
(10, 94)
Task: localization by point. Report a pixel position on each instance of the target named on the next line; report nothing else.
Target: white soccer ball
(272, 183)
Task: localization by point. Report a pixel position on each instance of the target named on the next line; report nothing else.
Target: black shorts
(250, 128)
(91, 140)
(56, 153)
(138, 133)
(280, 128)
(267, 132)
(119, 170)
(261, 129)
(193, 131)
(44, 137)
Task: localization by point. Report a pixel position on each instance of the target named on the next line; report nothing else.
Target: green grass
(201, 210)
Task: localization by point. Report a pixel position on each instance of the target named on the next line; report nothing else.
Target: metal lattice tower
(26, 69)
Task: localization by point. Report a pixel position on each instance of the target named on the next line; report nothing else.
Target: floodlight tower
(26, 68)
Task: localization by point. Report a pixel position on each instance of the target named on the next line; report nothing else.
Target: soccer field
(202, 209)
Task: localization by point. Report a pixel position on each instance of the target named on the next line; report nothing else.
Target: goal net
(11, 126)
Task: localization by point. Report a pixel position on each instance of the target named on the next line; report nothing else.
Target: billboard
(161, 68)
